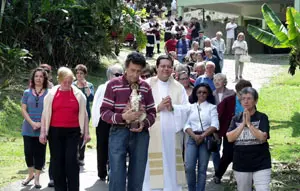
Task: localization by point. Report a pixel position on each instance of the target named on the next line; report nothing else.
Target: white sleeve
(214, 117)
(98, 98)
(181, 115)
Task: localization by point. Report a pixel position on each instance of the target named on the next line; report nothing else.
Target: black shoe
(103, 179)
(37, 186)
(51, 184)
(25, 183)
(217, 180)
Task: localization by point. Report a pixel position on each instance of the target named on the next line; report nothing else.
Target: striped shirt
(117, 97)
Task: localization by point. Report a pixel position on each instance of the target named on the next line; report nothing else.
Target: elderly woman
(194, 49)
(184, 79)
(219, 43)
(199, 56)
(199, 68)
(249, 131)
(221, 92)
(32, 107)
(239, 47)
(87, 89)
(64, 121)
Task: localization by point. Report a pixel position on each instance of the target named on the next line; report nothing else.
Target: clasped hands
(166, 103)
(246, 118)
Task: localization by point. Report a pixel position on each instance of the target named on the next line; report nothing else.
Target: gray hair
(194, 42)
(210, 63)
(181, 67)
(208, 49)
(207, 40)
(199, 64)
(111, 70)
(219, 33)
(221, 76)
(250, 90)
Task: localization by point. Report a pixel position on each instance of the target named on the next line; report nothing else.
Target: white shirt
(208, 114)
(98, 98)
(230, 32)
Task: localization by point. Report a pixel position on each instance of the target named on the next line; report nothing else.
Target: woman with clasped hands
(64, 121)
(249, 131)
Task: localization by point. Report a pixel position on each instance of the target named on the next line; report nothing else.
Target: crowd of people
(165, 121)
(188, 44)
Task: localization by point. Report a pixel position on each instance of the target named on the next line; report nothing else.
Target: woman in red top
(64, 120)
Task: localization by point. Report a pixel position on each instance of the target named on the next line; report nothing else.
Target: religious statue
(135, 101)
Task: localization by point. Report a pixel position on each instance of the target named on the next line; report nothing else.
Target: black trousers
(102, 134)
(226, 158)
(35, 152)
(63, 144)
(81, 150)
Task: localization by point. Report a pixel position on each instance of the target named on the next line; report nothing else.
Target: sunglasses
(145, 76)
(118, 74)
(201, 92)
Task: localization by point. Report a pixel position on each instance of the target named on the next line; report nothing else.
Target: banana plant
(280, 36)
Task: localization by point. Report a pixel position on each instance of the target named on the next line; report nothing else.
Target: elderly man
(199, 68)
(165, 168)
(129, 131)
(208, 76)
(219, 43)
(210, 57)
(200, 39)
(102, 128)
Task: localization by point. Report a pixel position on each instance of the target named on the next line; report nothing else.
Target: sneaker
(51, 184)
(217, 180)
(81, 162)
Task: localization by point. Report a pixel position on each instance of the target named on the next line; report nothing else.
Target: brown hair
(45, 83)
(242, 84)
(82, 68)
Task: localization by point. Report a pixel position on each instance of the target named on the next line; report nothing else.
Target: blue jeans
(121, 142)
(196, 153)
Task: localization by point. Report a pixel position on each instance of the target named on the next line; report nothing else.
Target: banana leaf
(275, 24)
(266, 37)
(293, 30)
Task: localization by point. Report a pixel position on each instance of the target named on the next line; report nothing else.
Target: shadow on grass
(25, 171)
(294, 123)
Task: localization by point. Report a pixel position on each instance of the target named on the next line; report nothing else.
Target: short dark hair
(163, 57)
(242, 84)
(81, 67)
(250, 90)
(210, 97)
(135, 58)
(45, 83)
(46, 67)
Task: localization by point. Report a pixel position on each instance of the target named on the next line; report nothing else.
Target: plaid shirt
(117, 97)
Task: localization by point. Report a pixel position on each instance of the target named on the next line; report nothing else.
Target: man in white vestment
(165, 169)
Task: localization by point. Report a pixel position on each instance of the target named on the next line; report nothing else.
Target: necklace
(37, 96)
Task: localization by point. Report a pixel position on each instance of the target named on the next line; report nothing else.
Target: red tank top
(65, 110)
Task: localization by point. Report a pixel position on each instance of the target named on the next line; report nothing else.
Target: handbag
(211, 141)
(245, 58)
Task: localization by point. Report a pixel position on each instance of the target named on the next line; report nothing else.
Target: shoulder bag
(211, 142)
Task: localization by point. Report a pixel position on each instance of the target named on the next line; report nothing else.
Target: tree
(281, 37)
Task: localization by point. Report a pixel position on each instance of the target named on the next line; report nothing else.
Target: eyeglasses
(145, 76)
(118, 74)
(201, 92)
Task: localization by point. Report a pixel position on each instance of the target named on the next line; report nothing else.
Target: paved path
(258, 72)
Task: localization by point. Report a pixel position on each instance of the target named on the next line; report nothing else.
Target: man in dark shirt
(117, 111)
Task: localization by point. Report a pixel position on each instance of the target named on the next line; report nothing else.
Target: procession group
(164, 144)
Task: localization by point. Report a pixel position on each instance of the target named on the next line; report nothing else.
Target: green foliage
(281, 37)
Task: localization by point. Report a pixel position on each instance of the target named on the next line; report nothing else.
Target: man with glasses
(126, 135)
(165, 168)
(102, 128)
(208, 77)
